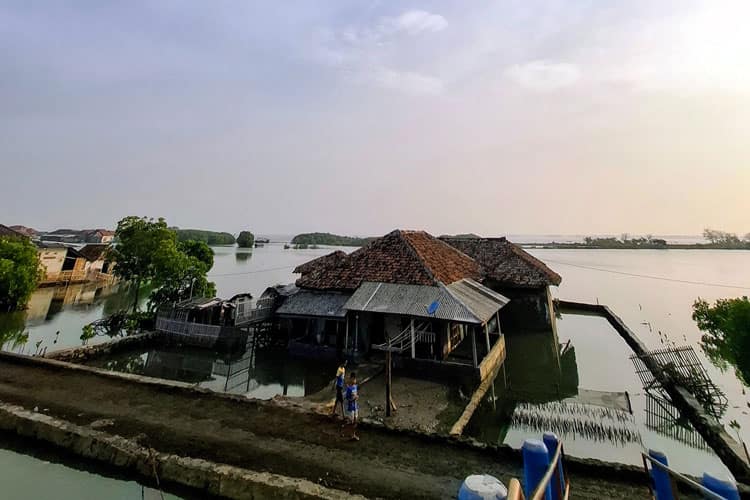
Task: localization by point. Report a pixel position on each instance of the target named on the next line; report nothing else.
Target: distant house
(61, 263)
(26, 231)
(8, 232)
(508, 269)
(99, 236)
(97, 267)
(408, 293)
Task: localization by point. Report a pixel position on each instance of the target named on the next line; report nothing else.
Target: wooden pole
(487, 337)
(356, 332)
(413, 341)
(388, 378)
(346, 338)
(474, 346)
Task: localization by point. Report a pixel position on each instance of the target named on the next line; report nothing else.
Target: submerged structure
(406, 292)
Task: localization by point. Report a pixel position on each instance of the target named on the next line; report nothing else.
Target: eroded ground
(270, 437)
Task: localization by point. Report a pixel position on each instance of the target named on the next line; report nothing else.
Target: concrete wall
(52, 259)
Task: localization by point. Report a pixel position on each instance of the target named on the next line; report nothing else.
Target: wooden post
(356, 331)
(487, 337)
(474, 345)
(413, 340)
(346, 338)
(388, 378)
(497, 319)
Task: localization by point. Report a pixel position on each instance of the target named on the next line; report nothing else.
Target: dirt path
(267, 437)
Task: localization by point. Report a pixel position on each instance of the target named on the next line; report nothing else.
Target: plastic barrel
(482, 487)
(535, 463)
(721, 486)
(662, 483)
(550, 441)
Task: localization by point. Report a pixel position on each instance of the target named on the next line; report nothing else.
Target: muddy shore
(275, 437)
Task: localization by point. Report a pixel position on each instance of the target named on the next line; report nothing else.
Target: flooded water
(38, 477)
(652, 290)
(259, 374)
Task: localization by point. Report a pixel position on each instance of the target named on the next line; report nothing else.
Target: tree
(20, 272)
(726, 338)
(141, 242)
(199, 250)
(246, 239)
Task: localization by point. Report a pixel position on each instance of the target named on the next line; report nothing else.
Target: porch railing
(402, 341)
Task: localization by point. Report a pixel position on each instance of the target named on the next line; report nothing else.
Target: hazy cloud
(407, 81)
(418, 21)
(544, 75)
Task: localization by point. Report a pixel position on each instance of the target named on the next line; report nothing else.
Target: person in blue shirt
(339, 383)
(352, 405)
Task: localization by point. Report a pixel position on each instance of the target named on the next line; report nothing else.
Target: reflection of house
(407, 292)
(508, 269)
(97, 267)
(61, 264)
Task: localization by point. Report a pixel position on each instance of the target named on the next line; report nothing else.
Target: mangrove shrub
(246, 239)
(726, 337)
(20, 272)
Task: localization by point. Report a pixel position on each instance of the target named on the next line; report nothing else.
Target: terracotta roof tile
(405, 257)
(506, 262)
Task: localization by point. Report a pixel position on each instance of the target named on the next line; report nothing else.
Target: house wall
(52, 259)
(528, 310)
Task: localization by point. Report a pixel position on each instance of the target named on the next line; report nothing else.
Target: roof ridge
(416, 254)
(530, 259)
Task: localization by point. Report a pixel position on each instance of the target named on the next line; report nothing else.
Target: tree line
(329, 239)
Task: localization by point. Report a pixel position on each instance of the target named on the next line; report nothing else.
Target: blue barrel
(535, 463)
(551, 441)
(662, 483)
(482, 487)
(724, 487)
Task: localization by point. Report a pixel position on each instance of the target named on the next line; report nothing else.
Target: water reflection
(260, 374)
(243, 255)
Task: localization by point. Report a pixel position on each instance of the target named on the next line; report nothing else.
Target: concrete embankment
(727, 449)
(274, 438)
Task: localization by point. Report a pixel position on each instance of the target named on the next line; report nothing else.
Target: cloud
(415, 22)
(407, 82)
(544, 76)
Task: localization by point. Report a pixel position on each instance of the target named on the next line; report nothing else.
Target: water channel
(646, 288)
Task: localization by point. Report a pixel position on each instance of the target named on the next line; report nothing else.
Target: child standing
(352, 405)
(339, 391)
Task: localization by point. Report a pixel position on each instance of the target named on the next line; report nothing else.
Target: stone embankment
(237, 447)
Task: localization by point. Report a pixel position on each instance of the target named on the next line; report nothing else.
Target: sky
(358, 117)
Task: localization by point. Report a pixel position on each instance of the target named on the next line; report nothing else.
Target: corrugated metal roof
(466, 304)
(479, 299)
(308, 303)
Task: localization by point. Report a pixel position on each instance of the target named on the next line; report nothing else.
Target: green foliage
(199, 250)
(20, 272)
(207, 237)
(726, 338)
(328, 239)
(13, 334)
(118, 324)
(625, 242)
(148, 252)
(246, 239)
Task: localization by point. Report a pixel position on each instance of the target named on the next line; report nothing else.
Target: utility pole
(388, 378)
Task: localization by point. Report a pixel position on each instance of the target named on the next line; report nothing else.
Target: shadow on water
(262, 373)
(243, 255)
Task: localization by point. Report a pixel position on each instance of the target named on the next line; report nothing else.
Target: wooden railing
(253, 315)
(64, 277)
(178, 327)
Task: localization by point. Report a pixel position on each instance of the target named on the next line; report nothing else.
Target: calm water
(27, 477)
(655, 309)
(256, 374)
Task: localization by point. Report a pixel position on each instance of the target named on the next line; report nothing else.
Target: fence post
(721, 486)
(662, 482)
(535, 464)
(551, 441)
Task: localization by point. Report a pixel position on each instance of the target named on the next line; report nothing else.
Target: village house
(98, 268)
(408, 293)
(60, 263)
(511, 271)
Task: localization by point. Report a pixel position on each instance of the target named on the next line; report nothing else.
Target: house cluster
(437, 304)
(62, 263)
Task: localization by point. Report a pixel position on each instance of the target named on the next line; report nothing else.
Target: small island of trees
(309, 239)
(246, 239)
(207, 237)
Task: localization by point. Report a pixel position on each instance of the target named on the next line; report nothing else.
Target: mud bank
(276, 437)
(212, 478)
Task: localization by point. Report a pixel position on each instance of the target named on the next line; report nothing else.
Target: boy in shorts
(339, 383)
(352, 405)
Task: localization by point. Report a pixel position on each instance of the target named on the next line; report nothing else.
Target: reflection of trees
(242, 256)
(122, 298)
(726, 337)
(133, 363)
(12, 330)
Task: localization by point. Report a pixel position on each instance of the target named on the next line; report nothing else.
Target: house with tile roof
(511, 271)
(407, 293)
